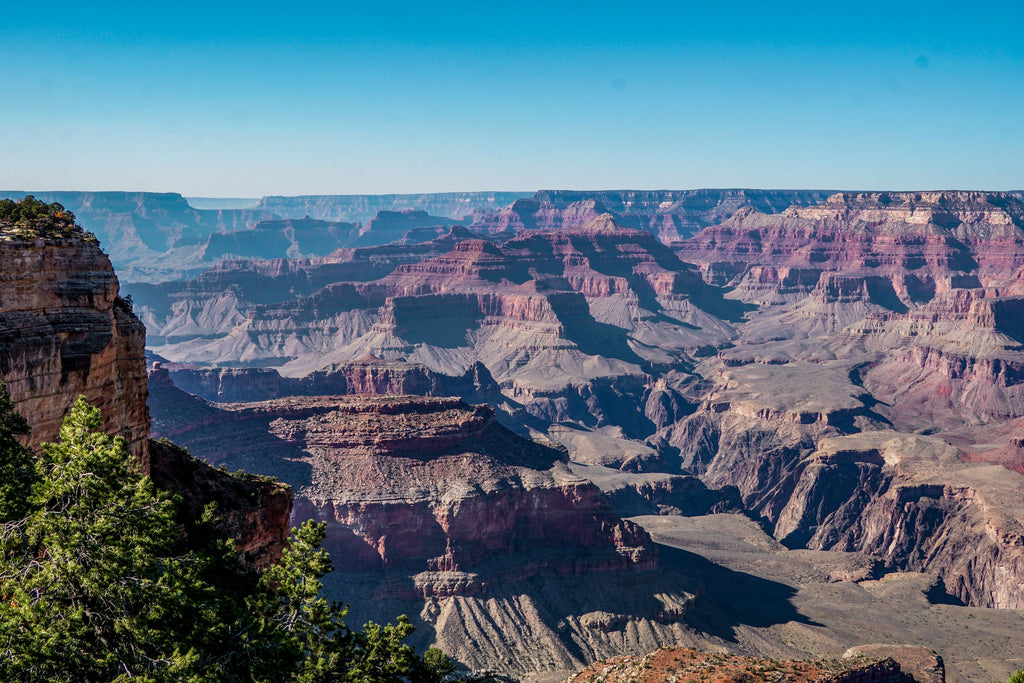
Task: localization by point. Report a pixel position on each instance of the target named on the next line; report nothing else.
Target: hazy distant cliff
(363, 207)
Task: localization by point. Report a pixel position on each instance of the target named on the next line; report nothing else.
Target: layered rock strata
(435, 509)
(367, 375)
(64, 332)
(255, 511)
(682, 664)
(669, 214)
(566, 322)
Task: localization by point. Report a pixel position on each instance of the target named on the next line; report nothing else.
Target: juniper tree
(97, 583)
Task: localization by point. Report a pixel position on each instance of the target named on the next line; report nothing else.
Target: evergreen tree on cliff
(97, 583)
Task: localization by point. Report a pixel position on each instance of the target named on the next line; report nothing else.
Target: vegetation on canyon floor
(30, 218)
(98, 583)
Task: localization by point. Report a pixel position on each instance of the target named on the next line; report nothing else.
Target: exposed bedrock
(222, 296)
(906, 499)
(867, 313)
(365, 376)
(938, 237)
(255, 511)
(363, 207)
(436, 510)
(64, 332)
(429, 483)
(669, 214)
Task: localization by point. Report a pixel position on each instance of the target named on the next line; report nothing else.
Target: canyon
(844, 370)
(157, 237)
(585, 425)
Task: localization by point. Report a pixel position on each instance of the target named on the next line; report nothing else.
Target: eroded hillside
(846, 373)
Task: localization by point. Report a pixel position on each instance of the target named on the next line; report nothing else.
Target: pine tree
(97, 583)
(93, 585)
(16, 470)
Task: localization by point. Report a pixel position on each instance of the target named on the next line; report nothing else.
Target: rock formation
(65, 332)
(222, 296)
(677, 663)
(435, 509)
(150, 236)
(848, 373)
(255, 511)
(360, 208)
(878, 311)
(669, 214)
(270, 239)
(367, 375)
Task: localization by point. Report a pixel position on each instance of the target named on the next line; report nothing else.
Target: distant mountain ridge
(161, 236)
(362, 207)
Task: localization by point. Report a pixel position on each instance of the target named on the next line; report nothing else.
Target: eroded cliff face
(668, 214)
(255, 511)
(434, 509)
(64, 332)
(879, 315)
(568, 323)
(711, 375)
(909, 500)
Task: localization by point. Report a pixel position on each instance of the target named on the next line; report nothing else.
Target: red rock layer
(416, 484)
(934, 236)
(64, 332)
(256, 511)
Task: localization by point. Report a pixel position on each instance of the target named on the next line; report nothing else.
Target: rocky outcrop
(150, 236)
(682, 664)
(905, 499)
(923, 664)
(270, 239)
(532, 311)
(888, 317)
(222, 296)
(409, 226)
(255, 511)
(934, 237)
(436, 509)
(429, 484)
(365, 376)
(65, 332)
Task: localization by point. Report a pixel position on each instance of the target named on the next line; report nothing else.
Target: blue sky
(232, 99)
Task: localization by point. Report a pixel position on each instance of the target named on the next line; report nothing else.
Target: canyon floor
(761, 598)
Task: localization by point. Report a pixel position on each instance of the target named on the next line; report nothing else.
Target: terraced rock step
(685, 665)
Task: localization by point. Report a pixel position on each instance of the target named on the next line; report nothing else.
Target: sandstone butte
(65, 332)
(848, 372)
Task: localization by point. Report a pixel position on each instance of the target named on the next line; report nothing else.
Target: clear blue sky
(232, 99)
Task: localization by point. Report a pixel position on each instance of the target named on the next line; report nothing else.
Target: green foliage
(1017, 677)
(97, 583)
(16, 470)
(30, 218)
(96, 587)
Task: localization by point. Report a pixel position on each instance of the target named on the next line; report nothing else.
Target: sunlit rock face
(64, 332)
